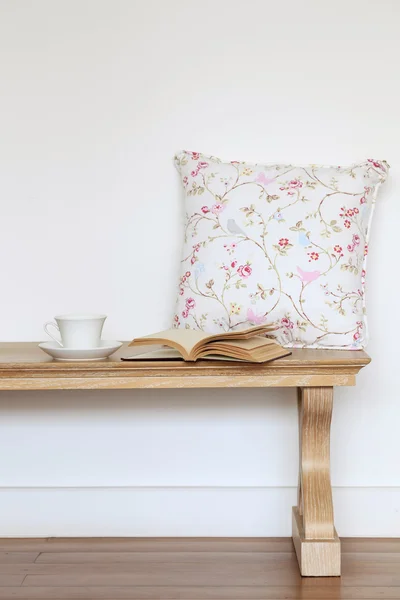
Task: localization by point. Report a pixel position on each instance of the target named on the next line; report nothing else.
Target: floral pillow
(280, 243)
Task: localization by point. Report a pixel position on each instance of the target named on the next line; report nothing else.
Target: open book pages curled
(188, 344)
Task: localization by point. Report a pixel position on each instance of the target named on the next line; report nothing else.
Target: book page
(247, 344)
(181, 339)
(171, 354)
(236, 347)
(241, 333)
(189, 341)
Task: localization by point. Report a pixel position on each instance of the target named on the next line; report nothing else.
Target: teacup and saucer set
(80, 338)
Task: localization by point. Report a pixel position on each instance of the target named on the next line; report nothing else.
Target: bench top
(23, 366)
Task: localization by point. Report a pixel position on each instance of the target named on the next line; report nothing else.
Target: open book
(188, 344)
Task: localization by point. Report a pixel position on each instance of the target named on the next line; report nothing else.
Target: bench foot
(315, 539)
(317, 558)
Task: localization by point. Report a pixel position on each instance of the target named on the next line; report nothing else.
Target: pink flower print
(350, 213)
(185, 314)
(283, 242)
(325, 288)
(295, 184)
(338, 249)
(365, 249)
(376, 163)
(287, 323)
(356, 241)
(313, 256)
(176, 318)
(347, 223)
(356, 336)
(230, 247)
(187, 274)
(205, 209)
(244, 271)
(217, 208)
(190, 303)
(363, 276)
(233, 264)
(200, 165)
(185, 180)
(195, 155)
(181, 291)
(192, 260)
(363, 200)
(356, 211)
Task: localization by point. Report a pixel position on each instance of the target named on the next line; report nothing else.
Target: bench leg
(315, 539)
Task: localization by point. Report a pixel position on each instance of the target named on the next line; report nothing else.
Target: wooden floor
(190, 569)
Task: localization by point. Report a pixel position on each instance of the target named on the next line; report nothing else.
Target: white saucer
(70, 354)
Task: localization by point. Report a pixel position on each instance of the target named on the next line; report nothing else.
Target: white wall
(96, 96)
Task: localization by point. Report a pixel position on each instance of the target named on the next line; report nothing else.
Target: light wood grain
(317, 558)
(315, 417)
(166, 382)
(316, 542)
(24, 366)
(300, 425)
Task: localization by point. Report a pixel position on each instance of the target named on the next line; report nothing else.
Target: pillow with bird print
(277, 243)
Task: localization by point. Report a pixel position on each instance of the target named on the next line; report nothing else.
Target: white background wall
(96, 96)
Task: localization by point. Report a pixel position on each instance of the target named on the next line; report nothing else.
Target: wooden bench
(23, 366)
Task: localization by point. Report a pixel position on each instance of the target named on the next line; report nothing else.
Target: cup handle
(45, 327)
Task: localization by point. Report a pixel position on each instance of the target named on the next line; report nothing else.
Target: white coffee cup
(77, 331)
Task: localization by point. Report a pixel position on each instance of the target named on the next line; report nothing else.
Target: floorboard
(199, 593)
(190, 569)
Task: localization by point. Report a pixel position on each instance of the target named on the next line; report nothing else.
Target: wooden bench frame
(23, 366)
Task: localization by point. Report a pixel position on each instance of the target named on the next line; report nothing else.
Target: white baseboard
(186, 511)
